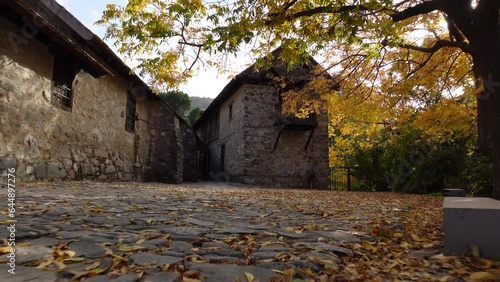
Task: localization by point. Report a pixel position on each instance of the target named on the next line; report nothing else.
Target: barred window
(63, 74)
(131, 113)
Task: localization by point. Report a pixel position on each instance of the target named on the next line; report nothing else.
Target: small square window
(131, 113)
(63, 74)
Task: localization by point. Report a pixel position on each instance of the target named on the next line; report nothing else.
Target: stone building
(71, 109)
(247, 139)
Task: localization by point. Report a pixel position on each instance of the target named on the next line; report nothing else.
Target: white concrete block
(472, 221)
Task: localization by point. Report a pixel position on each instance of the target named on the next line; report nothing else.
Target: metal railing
(341, 178)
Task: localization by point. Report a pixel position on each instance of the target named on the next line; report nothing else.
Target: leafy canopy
(194, 115)
(390, 59)
(178, 100)
(361, 41)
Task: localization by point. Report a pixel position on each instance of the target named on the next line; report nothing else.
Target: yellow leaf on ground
(93, 266)
(368, 246)
(196, 258)
(69, 253)
(415, 237)
(125, 248)
(480, 276)
(166, 236)
(44, 264)
(70, 260)
(60, 265)
(249, 276)
(5, 250)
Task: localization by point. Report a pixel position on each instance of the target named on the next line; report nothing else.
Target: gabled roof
(262, 76)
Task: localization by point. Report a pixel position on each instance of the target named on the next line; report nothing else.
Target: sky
(206, 83)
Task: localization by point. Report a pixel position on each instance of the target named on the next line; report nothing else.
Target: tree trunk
(484, 117)
(495, 140)
(487, 64)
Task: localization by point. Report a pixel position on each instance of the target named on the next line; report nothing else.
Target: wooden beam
(309, 139)
(278, 138)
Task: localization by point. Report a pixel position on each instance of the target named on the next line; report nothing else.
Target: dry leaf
(249, 277)
(397, 235)
(93, 266)
(125, 248)
(482, 276)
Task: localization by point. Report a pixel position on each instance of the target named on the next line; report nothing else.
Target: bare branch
(195, 60)
(419, 9)
(275, 17)
(434, 48)
(449, 71)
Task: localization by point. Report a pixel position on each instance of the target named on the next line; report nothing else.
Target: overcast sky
(206, 84)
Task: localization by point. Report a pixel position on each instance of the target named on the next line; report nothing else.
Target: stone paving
(157, 232)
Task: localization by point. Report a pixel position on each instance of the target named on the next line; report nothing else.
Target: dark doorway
(206, 164)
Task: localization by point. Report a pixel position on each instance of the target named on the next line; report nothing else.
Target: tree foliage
(194, 115)
(178, 100)
(394, 54)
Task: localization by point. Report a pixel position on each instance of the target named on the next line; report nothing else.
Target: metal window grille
(64, 71)
(61, 94)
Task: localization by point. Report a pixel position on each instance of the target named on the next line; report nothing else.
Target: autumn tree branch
(434, 48)
(275, 17)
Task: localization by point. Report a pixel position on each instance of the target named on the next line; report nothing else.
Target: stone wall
(190, 153)
(231, 136)
(289, 165)
(249, 139)
(166, 151)
(89, 142)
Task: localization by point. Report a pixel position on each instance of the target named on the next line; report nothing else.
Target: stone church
(247, 139)
(71, 109)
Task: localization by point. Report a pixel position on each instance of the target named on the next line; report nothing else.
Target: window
(63, 74)
(131, 114)
(231, 111)
(212, 133)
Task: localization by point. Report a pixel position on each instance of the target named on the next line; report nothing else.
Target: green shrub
(409, 164)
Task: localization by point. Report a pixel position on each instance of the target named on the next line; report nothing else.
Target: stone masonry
(289, 165)
(249, 139)
(89, 142)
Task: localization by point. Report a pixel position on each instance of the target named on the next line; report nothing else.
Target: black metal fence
(341, 178)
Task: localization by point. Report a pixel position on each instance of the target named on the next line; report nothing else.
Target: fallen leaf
(249, 276)
(125, 248)
(93, 266)
(482, 276)
(397, 235)
(60, 265)
(45, 264)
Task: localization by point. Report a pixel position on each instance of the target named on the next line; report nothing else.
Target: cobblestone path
(203, 231)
